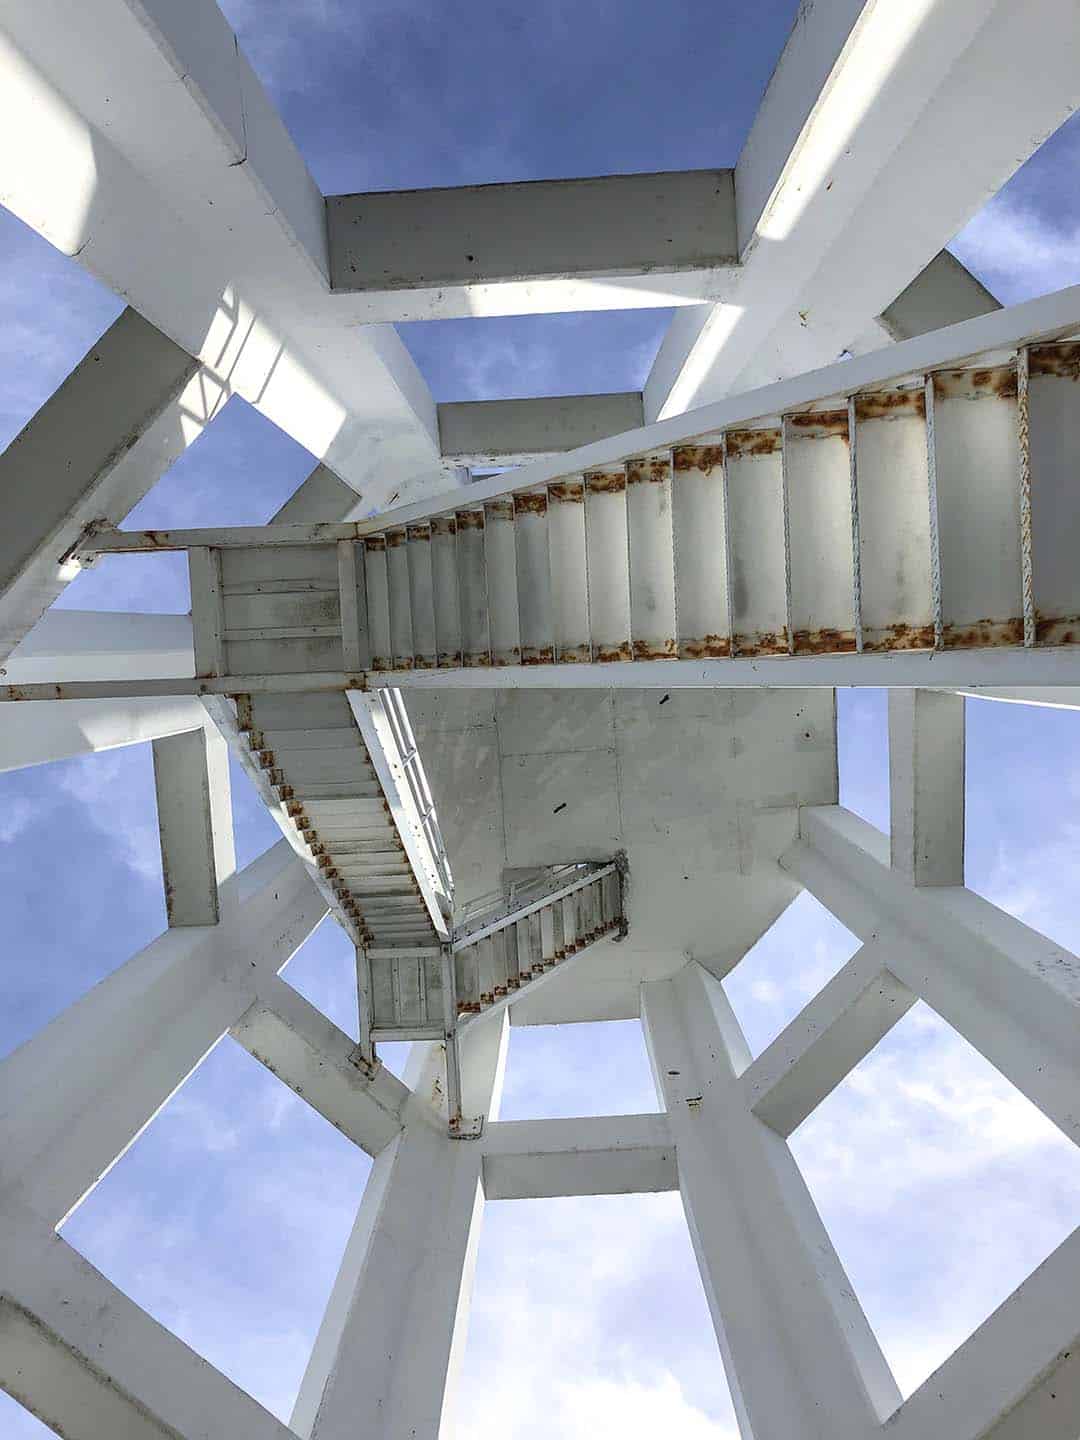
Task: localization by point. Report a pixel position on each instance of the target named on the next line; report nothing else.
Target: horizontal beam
(597, 1155)
(315, 1059)
(102, 645)
(955, 669)
(541, 237)
(84, 1358)
(826, 1040)
(501, 432)
(41, 732)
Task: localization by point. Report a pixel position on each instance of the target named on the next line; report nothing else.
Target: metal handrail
(412, 765)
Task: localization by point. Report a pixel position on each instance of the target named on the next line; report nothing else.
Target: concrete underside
(535, 778)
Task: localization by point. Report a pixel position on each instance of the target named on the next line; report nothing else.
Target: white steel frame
(132, 116)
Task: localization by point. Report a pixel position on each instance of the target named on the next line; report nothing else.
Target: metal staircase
(921, 498)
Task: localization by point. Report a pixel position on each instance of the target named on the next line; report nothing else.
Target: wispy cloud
(1019, 253)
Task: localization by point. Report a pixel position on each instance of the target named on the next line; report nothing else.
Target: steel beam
(849, 136)
(510, 432)
(599, 1155)
(70, 1105)
(387, 1369)
(89, 454)
(926, 785)
(826, 1040)
(544, 245)
(800, 1357)
(194, 809)
(318, 1061)
(84, 1358)
(151, 153)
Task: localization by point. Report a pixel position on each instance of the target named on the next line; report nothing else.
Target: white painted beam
(321, 497)
(70, 1105)
(926, 785)
(89, 454)
(313, 1057)
(850, 135)
(1018, 1376)
(826, 1040)
(194, 809)
(509, 432)
(1062, 697)
(392, 1337)
(102, 645)
(47, 730)
(84, 1358)
(800, 1357)
(944, 293)
(597, 1155)
(151, 153)
(965, 670)
(1009, 991)
(534, 246)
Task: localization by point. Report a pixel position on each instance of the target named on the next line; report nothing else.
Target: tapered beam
(926, 785)
(800, 1356)
(554, 245)
(605, 1155)
(826, 1040)
(145, 133)
(944, 293)
(70, 1105)
(102, 645)
(84, 1358)
(849, 135)
(317, 1060)
(89, 454)
(194, 808)
(1009, 991)
(506, 432)
(393, 1334)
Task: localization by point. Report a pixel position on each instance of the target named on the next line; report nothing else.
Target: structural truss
(763, 522)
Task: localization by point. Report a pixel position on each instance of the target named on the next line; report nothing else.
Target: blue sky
(228, 1218)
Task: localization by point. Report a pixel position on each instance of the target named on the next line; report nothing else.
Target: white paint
(800, 1357)
(71, 1106)
(194, 808)
(164, 168)
(92, 451)
(385, 1358)
(603, 1155)
(850, 136)
(926, 785)
(1009, 991)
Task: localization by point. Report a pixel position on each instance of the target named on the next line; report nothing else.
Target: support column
(194, 806)
(801, 1359)
(926, 785)
(391, 1340)
(70, 1105)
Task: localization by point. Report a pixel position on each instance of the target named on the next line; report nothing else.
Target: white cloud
(1017, 253)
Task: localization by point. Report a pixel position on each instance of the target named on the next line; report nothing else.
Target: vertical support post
(364, 1006)
(800, 1357)
(191, 778)
(355, 643)
(391, 1340)
(926, 785)
(450, 1017)
(207, 611)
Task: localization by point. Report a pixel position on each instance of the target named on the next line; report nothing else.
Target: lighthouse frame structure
(849, 466)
